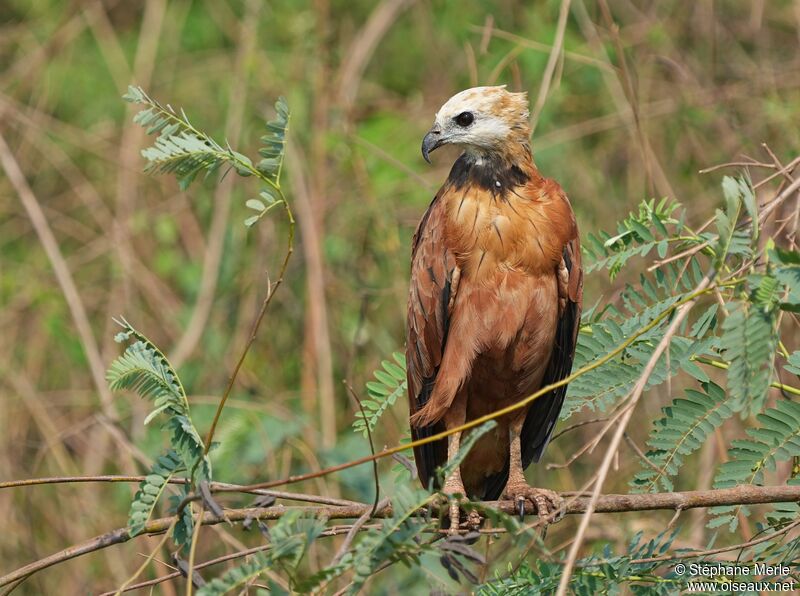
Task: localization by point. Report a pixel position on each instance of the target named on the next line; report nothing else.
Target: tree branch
(610, 503)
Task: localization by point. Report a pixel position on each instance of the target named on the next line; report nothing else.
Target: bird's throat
(494, 172)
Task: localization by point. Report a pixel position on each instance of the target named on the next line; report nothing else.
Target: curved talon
(549, 505)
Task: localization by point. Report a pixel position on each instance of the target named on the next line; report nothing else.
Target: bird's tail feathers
(430, 413)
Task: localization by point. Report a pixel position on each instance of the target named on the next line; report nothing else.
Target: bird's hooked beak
(432, 141)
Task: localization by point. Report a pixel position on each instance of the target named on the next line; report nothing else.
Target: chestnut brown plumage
(494, 302)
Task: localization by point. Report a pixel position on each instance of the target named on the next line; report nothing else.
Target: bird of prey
(494, 302)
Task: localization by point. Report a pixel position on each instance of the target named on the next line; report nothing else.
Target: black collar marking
(492, 174)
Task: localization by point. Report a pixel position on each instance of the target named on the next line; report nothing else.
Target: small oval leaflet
(255, 204)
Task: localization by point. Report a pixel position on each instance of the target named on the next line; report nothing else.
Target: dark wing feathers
(432, 267)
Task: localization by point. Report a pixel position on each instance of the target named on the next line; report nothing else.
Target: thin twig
(149, 558)
(589, 446)
(572, 427)
(371, 445)
(642, 454)
(271, 289)
(789, 167)
(214, 486)
(354, 529)
(733, 164)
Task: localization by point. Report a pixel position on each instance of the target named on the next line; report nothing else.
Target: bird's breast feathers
(501, 224)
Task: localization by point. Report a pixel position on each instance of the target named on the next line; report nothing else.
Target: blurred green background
(704, 83)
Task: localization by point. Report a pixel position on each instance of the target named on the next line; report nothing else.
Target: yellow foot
(548, 504)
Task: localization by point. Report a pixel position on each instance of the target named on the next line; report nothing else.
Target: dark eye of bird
(464, 119)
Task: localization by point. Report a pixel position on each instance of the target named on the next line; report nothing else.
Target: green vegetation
(631, 114)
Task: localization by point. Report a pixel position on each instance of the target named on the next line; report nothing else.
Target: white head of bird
(480, 120)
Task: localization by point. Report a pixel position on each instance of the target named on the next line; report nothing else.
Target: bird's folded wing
(433, 285)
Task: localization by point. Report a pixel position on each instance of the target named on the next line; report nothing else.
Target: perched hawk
(494, 303)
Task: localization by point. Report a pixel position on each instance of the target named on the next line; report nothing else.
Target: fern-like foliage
(606, 573)
(783, 513)
(776, 440)
(274, 142)
(793, 363)
(180, 148)
(144, 368)
(238, 577)
(271, 164)
(653, 226)
(786, 268)
(731, 240)
(290, 538)
(748, 343)
(685, 427)
(603, 332)
(389, 384)
(602, 387)
(183, 150)
(151, 489)
(398, 539)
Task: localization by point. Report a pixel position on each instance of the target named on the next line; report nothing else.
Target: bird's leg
(547, 502)
(453, 485)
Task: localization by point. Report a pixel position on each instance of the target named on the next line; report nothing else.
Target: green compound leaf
(389, 384)
(151, 489)
(685, 427)
(776, 440)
